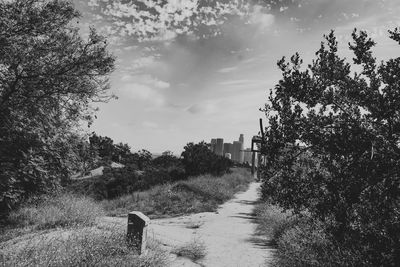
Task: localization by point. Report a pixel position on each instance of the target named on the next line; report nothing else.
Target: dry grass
(194, 250)
(273, 221)
(61, 211)
(89, 246)
(198, 194)
(300, 240)
(64, 231)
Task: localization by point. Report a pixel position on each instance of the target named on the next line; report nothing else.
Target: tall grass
(273, 221)
(65, 210)
(197, 194)
(301, 240)
(83, 247)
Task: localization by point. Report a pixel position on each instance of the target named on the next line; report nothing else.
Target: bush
(65, 210)
(273, 221)
(307, 243)
(113, 183)
(302, 241)
(332, 146)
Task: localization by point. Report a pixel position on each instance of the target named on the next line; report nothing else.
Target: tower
(241, 151)
(219, 148)
(241, 138)
(236, 151)
(213, 144)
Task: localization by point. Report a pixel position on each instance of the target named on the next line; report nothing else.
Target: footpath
(228, 234)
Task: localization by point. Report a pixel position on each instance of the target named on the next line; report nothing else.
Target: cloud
(262, 20)
(205, 107)
(243, 82)
(144, 88)
(163, 20)
(227, 70)
(147, 80)
(150, 125)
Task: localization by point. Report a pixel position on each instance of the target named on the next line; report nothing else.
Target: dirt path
(227, 234)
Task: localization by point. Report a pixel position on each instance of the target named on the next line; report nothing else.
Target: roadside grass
(194, 250)
(65, 231)
(65, 210)
(88, 246)
(300, 240)
(197, 194)
(273, 221)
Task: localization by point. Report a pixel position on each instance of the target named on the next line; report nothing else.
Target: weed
(194, 250)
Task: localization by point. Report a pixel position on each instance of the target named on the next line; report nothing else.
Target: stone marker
(137, 230)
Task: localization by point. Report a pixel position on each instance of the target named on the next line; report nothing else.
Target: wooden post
(253, 159)
(259, 166)
(137, 230)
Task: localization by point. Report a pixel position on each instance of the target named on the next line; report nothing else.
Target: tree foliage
(333, 146)
(49, 75)
(199, 159)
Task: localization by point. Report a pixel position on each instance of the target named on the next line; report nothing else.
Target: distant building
(236, 151)
(241, 151)
(219, 148)
(228, 148)
(213, 144)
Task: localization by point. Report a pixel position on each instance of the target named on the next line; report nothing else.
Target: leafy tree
(332, 146)
(103, 145)
(167, 159)
(199, 159)
(142, 159)
(49, 75)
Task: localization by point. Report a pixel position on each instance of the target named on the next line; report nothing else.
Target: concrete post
(137, 230)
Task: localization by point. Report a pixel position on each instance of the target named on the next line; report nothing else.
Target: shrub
(194, 250)
(332, 145)
(302, 241)
(273, 221)
(113, 183)
(306, 243)
(65, 210)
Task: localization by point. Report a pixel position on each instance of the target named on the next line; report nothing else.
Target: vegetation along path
(227, 235)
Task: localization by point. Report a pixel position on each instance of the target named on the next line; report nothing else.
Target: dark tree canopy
(333, 146)
(199, 159)
(49, 75)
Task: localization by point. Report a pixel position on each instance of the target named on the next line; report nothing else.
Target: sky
(192, 70)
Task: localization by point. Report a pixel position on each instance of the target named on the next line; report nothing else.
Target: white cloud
(160, 21)
(205, 107)
(243, 82)
(150, 125)
(261, 19)
(227, 70)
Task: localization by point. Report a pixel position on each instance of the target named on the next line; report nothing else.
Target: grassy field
(198, 194)
(67, 230)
